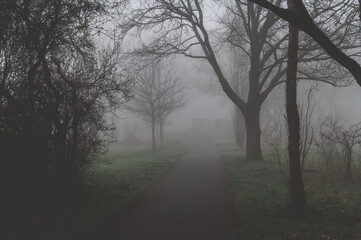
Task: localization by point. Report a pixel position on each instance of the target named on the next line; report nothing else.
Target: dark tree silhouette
(55, 88)
(298, 196)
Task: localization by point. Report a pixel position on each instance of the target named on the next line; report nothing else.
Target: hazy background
(209, 102)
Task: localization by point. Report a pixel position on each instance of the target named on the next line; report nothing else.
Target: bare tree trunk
(252, 109)
(348, 153)
(298, 195)
(238, 126)
(153, 134)
(253, 130)
(161, 132)
(237, 114)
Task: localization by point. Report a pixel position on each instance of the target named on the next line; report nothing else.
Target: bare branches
(55, 88)
(157, 94)
(301, 18)
(335, 131)
(182, 30)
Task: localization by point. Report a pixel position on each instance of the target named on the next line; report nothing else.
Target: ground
(124, 172)
(205, 190)
(261, 198)
(191, 201)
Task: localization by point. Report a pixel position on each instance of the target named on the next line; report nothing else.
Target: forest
(180, 119)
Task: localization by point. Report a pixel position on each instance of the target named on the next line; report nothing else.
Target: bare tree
(300, 17)
(172, 98)
(144, 98)
(157, 93)
(347, 137)
(327, 150)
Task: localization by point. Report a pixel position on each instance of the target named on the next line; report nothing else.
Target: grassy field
(261, 201)
(121, 175)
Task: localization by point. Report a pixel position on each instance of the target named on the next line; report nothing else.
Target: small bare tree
(335, 131)
(171, 98)
(327, 151)
(157, 93)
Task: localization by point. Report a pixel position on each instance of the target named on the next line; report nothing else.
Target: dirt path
(191, 202)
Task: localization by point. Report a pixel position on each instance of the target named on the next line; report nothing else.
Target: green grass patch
(261, 200)
(122, 174)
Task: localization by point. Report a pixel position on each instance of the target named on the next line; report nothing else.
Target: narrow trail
(190, 202)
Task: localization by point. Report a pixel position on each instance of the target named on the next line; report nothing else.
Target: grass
(261, 200)
(123, 173)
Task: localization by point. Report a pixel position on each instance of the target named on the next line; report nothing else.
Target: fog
(201, 103)
(206, 100)
(179, 120)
